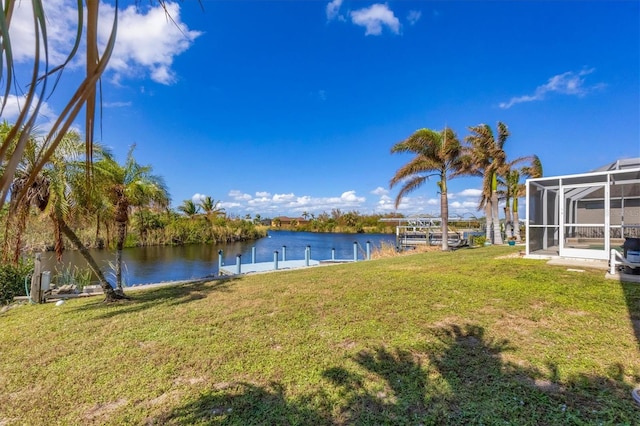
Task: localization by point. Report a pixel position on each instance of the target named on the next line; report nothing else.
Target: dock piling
(275, 260)
(238, 264)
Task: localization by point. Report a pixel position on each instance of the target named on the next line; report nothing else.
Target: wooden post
(36, 290)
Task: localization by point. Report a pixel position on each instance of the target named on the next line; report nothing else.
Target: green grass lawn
(464, 337)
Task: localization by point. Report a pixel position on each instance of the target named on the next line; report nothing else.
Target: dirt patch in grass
(99, 413)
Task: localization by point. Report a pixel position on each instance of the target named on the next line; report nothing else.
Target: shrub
(12, 279)
(478, 240)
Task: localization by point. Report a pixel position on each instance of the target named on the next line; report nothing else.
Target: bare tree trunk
(110, 294)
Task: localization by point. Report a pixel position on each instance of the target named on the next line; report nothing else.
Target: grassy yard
(468, 337)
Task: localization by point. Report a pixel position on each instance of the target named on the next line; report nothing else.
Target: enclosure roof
(624, 163)
(624, 176)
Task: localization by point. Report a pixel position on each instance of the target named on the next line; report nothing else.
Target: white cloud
(470, 192)
(146, 43)
(46, 115)
(374, 18)
(197, 197)
(289, 203)
(239, 195)
(271, 204)
(568, 83)
(414, 16)
(279, 198)
(350, 196)
(333, 10)
(61, 28)
(380, 191)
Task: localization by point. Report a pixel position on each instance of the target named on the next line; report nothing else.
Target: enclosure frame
(583, 215)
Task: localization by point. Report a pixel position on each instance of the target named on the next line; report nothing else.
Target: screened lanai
(584, 215)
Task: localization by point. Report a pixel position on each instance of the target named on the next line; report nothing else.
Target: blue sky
(280, 107)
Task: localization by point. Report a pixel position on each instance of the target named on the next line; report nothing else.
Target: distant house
(584, 215)
(287, 222)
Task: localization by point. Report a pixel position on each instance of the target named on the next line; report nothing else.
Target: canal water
(144, 265)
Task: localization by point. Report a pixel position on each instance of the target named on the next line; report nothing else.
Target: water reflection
(161, 263)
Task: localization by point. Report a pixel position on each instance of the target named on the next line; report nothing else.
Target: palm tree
(23, 197)
(128, 186)
(55, 191)
(211, 207)
(514, 190)
(189, 208)
(486, 158)
(436, 154)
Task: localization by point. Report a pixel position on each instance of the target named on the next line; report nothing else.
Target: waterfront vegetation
(475, 336)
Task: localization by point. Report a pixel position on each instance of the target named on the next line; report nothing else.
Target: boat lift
(412, 232)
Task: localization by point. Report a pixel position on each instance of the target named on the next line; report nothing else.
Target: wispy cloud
(333, 10)
(568, 83)
(414, 16)
(374, 18)
(116, 104)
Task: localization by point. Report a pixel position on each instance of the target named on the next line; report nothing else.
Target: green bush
(478, 240)
(12, 278)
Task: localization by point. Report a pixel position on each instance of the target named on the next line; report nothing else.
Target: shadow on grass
(457, 378)
(171, 295)
(247, 404)
(632, 297)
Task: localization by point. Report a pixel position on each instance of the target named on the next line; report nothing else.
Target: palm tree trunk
(516, 221)
(495, 214)
(488, 221)
(122, 233)
(508, 224)
(444, 212)
(497, 233)
(110, 294)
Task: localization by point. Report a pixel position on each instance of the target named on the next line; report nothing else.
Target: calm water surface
(144, 265)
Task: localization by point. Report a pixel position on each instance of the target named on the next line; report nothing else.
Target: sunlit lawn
(434, 338)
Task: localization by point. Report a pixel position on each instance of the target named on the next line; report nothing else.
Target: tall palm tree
(436, 154)
(128, 186)
(486, 158)
(515, 190)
